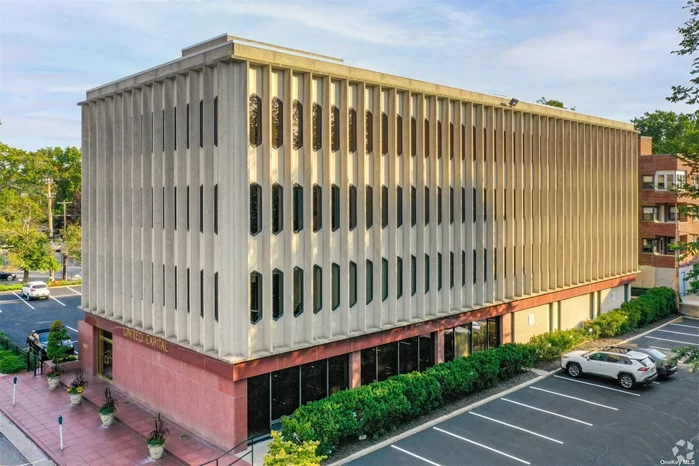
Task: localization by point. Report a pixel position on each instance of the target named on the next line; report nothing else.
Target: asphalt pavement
(560, 420)
(19, 317)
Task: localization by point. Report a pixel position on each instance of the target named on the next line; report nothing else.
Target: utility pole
(63, 249)
(50, 195)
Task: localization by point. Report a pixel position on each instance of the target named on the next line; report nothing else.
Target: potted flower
(54, 376)
(156, 439)
(108, 408)
(77, 387)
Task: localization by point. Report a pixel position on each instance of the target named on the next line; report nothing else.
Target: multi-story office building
(265, 227)
(661, 220)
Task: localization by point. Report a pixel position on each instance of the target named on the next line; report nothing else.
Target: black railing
(34, 360)
(219, 461)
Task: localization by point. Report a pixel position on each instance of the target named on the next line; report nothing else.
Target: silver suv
(629, 368)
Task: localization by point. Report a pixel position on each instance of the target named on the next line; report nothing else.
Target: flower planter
(53, 383)
(156, 451)
(75, 399)
(107, 419)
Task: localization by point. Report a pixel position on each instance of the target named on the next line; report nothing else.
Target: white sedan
(35, 290)
(627, 367)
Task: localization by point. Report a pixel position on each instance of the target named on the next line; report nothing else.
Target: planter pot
(53, 383)
(107, 419)
(156, 451)
(75, 399)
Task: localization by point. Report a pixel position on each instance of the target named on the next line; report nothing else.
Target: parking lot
(19, 317)
(560, 420)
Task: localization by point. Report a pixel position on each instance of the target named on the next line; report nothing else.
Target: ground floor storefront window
(277, 394)
(469, 338)
(401, 357)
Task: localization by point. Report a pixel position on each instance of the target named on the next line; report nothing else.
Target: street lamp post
(50, 195)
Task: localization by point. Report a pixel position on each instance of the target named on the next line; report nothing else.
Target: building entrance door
(104, 355)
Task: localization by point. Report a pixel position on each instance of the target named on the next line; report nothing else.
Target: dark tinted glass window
(384, 279)
(277, 294)
(277, 208)
(255, 296)
(384, 207)
(317, 126)
(335, 128)
(399, 277)
(439, 271)
(335, 207)
(255, 121)
(384, 133)
(336, 286)
(369, 207)
(368, 365)
(427, 273)
(338, 374)
(449, 345)
(368, 119)
(463, 268)
(387, 360)
(399, 206)
(277, 123)
(352, 284)
(297, 125)
(317, 208)
(413, 275)
(314, 381)
(451, 205)
(298, 208)
(285, 392)
(352, 207)
(463, 205)
(255, 208)
(413, 206)
(352, 130)
(413, 137)
(317, 289)
(439, 206)
(298, 291)
(399, 135)
(427, 205)
(409, 349)
(369, 281)
(215, 124)
(426, 352)
(427, 138)
(439, 139)
(451, 270)
(451, 140)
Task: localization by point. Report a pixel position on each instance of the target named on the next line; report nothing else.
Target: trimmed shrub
(551, 345)
(611, 323)
(287, 453)
(11, 363)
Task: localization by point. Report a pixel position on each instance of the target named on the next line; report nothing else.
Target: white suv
(629, 368)
(35, 290)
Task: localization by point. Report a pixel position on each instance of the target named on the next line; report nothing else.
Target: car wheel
(9, 278)
(626, 381)
(574, 369)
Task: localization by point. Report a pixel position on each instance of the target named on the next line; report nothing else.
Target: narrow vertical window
(175, 288)
(335, 286)
(188, 207)
(439, 139)
(413, 206)
(201, 293)
(413, 137)
(399, 277)
(399, 206)
(463, 205)
(298, 291)
(317, 289)
(201, 208)
(162, 147)
(174, 127)
(352, 117)
(399, 135)
(352, 207)
(427, 205)
(255, 130)
(451, 140)
(317, 208)
(187, 124)
(474, 266)
(216, 296)
(427, 273)
(463, 268)
(368, 120)
(369, 207)
(335, 128)
(201, 123)
(473, 207)
(317, 126)
(255, 208)
(451, 205)
(277, 294)
(463, 142)
(413, 275)
(352, 284)
(439, 271)
(216, 122)
(255, 297)
(277, 123)
(188, 290)
(439, 206)
(335, 207)
(384, 133)
(369, 281)
(297, 123)
(384, 206)
(152, 131)
(163, 282)
(277, 208)
(451, 270)
(427, 138)
(162, 207)
(384, 279)
(216, 208)
(175, 210)
(298, 208)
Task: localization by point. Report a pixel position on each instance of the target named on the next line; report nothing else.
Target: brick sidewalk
(85, 440)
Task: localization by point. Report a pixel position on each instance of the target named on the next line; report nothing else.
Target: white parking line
(516, 427)
(597, 385)
(7, 301)
(71, 328)
(25, 302)
(661, 348)
(673, 341)
(656, 383)
(680, 333)
(547, 412)
(574, 398)
(481, 445)
(689, 326)
(415, 456)
(74, 291)
(57, 301)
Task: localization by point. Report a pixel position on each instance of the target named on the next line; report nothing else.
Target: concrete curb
(22, 443)
(438, 420)
(470, 407)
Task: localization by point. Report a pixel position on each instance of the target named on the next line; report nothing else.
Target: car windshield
(656, 354)
(43, 337)
(39, 286)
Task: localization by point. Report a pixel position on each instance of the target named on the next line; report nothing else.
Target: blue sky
(607, 58)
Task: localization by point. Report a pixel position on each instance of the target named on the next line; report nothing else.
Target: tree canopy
(672, 133)
(688, 47)
(553, 103)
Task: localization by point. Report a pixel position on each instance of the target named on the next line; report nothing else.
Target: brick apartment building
(661, 220)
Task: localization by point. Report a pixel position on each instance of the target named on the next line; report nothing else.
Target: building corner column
(87, 341)
(506, 328)
(439, 347)
(355, 369)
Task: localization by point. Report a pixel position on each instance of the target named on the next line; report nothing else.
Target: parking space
(18, 317)
(560, 420)
(676, 335)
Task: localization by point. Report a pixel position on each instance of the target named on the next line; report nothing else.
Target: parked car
(38, 341)
(629, 368)
(9, 276)
(664, 368)
(35, 290)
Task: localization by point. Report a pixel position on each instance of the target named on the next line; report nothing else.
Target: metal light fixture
(513, 102)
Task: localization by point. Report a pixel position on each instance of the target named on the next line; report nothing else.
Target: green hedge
(18, 286)
(11, 363)
(380, 407)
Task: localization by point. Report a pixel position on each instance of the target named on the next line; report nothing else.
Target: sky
(607, 58)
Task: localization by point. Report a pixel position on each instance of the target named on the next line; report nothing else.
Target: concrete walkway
(85, 440)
